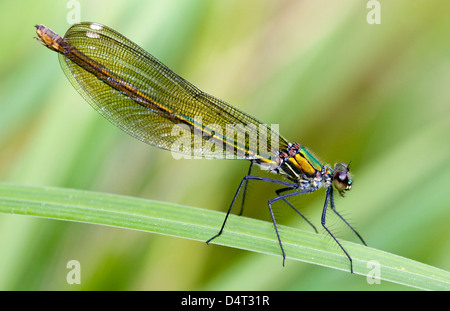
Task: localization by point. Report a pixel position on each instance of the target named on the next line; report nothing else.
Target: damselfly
(143, 97)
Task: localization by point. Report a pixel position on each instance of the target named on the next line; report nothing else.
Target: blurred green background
(378, 95)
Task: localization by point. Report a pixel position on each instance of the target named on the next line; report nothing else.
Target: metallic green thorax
(297, 163)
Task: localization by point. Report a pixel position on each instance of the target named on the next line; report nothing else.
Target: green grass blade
(199, 224)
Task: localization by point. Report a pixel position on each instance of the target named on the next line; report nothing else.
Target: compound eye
(341, 178)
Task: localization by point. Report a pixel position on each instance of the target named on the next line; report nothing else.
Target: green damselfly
(146, 99)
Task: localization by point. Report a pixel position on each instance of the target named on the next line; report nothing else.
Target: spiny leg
(292, 206)
(276, 231)
(346, 222)
(245, 188)
(283, 197)
(246, 178)
(324, 213)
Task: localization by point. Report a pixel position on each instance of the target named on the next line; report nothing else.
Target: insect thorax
(299, 165)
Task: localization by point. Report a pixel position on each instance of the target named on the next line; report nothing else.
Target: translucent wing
(105, 68)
